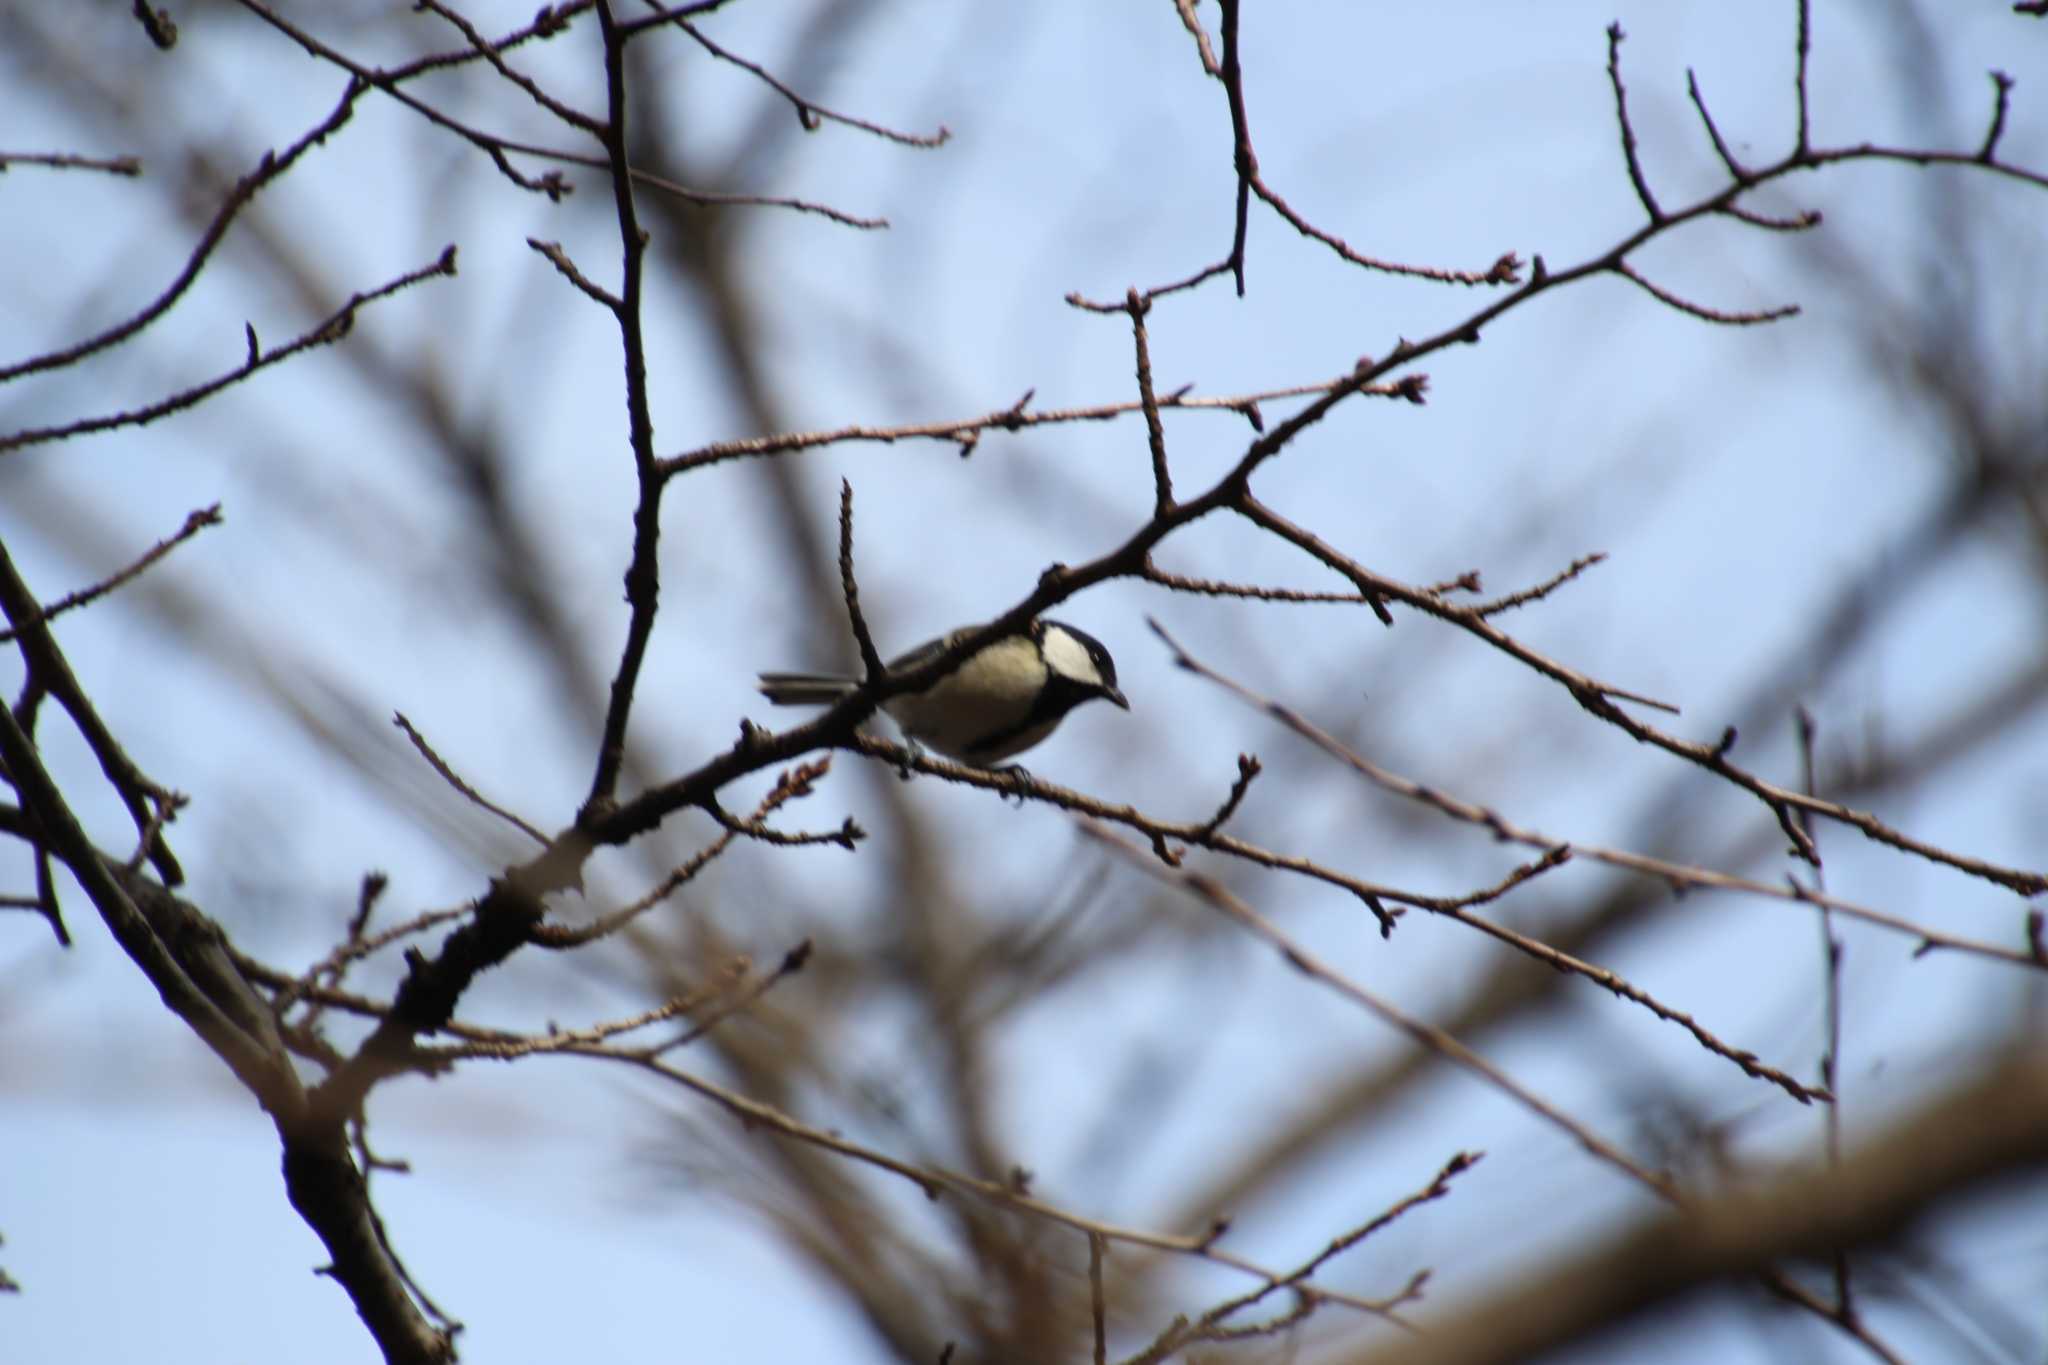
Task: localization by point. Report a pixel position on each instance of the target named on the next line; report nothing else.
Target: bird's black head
(1079, 661)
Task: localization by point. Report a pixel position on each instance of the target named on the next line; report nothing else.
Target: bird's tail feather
(803, 689)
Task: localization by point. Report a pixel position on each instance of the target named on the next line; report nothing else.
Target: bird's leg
(1020, 780)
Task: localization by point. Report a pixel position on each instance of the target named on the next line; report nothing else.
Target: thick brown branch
(1990, 1128)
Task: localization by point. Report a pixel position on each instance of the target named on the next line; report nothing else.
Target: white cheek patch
(1069, 658)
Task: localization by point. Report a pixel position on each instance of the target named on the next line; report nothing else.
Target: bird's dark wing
(924, 653)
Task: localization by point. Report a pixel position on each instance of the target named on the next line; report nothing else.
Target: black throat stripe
(1059, 696)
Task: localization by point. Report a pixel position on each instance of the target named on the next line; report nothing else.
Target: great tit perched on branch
(997, 702)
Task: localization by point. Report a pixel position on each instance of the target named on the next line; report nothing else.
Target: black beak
(1113, 694)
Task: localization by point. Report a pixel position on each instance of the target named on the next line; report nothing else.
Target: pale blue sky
(1728, 474)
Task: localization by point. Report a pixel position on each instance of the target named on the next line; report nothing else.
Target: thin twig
(561, 936)
(1468, 581)
(1376, 898)
(870, 658)
(808, 111)
(1193, 24)
(1506, 267)
(1096, 1309)
(759, 1116)
(1699, 102)
(499, 149)
(2001, 103)
(355, 944)
(332, 329)
(1803, 50)
(1700, 310)
(1628, 132)
(1248, 769)
(501, 1045)
(1598, 698)
(792, 962)
(1802, 221)
(46, 897)
(935, 1181)
(1427, 1035)
(728, 199)
(391, 83)
(847, 836)
(371, 1163)
(1148, 402)
(965, 431)
(1210, 587)
(792, 784)
(269, 167)
(737, 996)
(195, 522)
(454, 779)
(335, 965)
(1676, 874)
(1541, 590)
(158, 24)
(1229, 72)
(71, 161)
(1243, 157)
(1210, 1326)
(559, 258)
(490, 52)
(1831, 983)
(149, 803)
